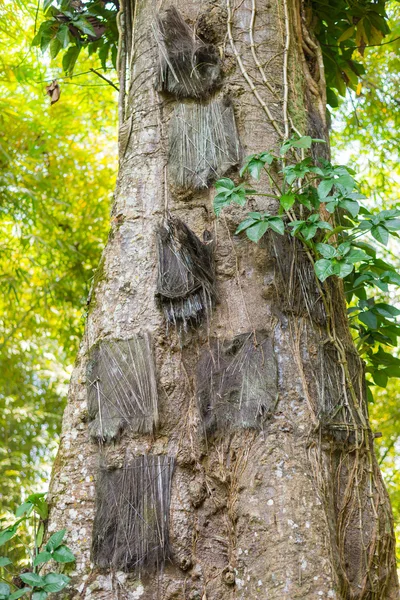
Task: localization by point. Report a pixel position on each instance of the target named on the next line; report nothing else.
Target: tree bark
(275, 494)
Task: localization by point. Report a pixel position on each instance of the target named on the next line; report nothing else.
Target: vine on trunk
(335, 245)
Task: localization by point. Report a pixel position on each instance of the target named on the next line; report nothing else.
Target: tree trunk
(225, 451)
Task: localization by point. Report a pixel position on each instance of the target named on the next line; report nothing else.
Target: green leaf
(32, 579)
(42, 508)
(4, 589)
(296, 226)
(348, 33)
(244, 225)
(324, 188)
(277, 225)
(332, 98)
(220, 201)
(302, 142)
(46, 4)
(387, 310)
(35, 498)
(267, 157)
(343, 248)
(255, 232)
(391, 277)
(63, 35)
(255, 167)
(239, 196)
(323, 269)
(7, 534)
(369, 319)
(343, 268)
(63, 555)
(40, 535)
(4, 561)
(324, 225)
(55, 582)
(55, 47)
(42, 595)
(351, 206)
(70, 58)
(380, 378)
(83, 25)
(309, 231)
(41, 558)
(224, 184)
(380, 233)
(393, 224)
(55, 540)
(355, 256)
(26, 507)
(304, 200)
(365, 225)
(287, 201)
(255, 163)
(20, 593)
(384, 358)
(331, 206)
(370, 250)
(326, 250)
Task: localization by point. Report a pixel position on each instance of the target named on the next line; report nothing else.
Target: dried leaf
(53, 90)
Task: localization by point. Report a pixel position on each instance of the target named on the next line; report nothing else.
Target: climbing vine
(336, 243)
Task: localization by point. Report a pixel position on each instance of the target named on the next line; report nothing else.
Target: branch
(105, 79)
(357, 47)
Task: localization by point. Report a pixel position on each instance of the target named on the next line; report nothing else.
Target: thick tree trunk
(234, 459)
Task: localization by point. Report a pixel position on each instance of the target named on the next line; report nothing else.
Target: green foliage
(227, 193)
(57, 173)
(34, 511)
(335, 248)
(344, 29)
(257, 224)
(72, 26)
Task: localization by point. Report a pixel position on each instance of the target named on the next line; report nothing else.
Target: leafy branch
(336, 247)
(38, 586)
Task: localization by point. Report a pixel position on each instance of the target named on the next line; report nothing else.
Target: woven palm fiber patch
(237, 382)
(187, 67)
(122, 388)
(130, 530)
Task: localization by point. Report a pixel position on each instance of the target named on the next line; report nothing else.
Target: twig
(357, 47)
(105, 79)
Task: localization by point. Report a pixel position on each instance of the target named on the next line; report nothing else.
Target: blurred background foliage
(57, 173)
(365, 130)
(58, 167)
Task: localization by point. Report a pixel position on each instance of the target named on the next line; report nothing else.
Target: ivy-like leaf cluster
(37, 586)
(335, 245)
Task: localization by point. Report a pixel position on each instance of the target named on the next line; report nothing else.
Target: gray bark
(286, 506)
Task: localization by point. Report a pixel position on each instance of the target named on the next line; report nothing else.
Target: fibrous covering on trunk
(186, 281)
(235, 449)
(122, 388)
(130, 530)
(203, 143)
